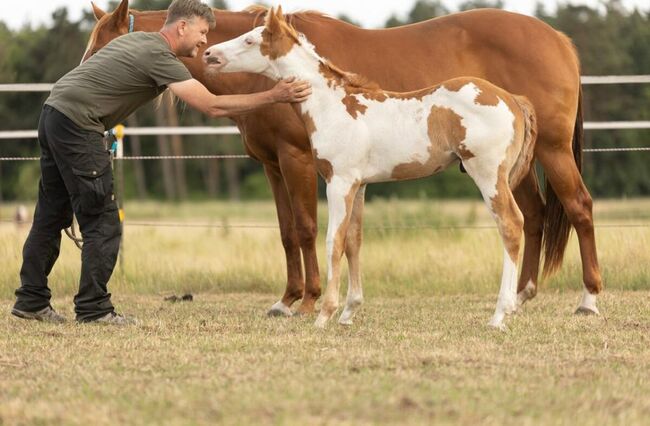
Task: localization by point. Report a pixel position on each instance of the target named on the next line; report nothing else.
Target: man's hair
(187, 9)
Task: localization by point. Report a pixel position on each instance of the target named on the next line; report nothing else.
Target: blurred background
(612, 37)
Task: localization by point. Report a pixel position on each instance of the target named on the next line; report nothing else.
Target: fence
(232, 130)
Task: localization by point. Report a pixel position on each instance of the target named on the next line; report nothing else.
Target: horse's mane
(303, 15)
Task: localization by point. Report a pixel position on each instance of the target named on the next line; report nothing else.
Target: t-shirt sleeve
(165, 68)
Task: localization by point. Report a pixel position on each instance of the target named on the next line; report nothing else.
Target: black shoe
(112, 318)
(46, 314)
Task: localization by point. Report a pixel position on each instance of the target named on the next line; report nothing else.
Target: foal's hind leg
(510, 222)
(531, 204)
(352, 248)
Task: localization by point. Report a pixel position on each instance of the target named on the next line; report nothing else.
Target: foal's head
(257, 50)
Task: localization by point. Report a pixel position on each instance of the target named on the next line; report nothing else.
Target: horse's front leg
(340, 199)
(353, 241)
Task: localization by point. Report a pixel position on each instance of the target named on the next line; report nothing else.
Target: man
(75, 167)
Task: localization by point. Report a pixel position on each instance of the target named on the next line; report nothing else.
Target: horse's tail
(557, 226)
(525, 159)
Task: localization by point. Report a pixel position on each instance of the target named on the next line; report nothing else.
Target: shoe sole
(35, 317)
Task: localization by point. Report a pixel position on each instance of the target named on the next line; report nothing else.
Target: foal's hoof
(279, 310)
(583, 310)
(321, 321)
(499, 327)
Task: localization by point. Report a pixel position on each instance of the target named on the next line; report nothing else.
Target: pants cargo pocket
(94, 185)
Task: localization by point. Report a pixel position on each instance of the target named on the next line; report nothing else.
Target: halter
(131, 21)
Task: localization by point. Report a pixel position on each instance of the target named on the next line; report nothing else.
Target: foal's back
(383, 136)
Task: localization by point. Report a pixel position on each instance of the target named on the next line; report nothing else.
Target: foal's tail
(525, 158)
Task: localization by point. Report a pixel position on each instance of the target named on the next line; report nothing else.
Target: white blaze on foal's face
(256, 50)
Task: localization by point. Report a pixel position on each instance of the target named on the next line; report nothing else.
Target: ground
(419, 351)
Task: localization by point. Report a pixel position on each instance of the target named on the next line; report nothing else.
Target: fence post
(118, 131)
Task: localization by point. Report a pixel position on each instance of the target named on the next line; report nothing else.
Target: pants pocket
(94, 184)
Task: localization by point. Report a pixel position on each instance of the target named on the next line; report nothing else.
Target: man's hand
(291, 90)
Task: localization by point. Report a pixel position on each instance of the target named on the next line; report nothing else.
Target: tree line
(610, 40)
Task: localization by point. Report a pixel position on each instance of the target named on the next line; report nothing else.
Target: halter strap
(131, 21)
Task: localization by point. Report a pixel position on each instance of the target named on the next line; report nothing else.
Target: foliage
(610, 40)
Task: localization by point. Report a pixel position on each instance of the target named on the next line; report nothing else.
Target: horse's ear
(121, 14)
(99, 14)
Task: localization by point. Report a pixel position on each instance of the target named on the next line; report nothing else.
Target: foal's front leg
(340, 198)
(353, 241)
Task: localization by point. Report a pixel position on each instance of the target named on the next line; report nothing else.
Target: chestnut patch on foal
(486, 98)
(445, 129)
(446, 133)
(277, 45)
(323, 166)
(353, 106)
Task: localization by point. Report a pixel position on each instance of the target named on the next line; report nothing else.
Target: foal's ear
(120, 15)
(272, 22)
(99, 14)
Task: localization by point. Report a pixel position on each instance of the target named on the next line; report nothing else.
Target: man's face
(192, 35)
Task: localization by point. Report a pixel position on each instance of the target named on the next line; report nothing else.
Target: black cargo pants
(76, 176)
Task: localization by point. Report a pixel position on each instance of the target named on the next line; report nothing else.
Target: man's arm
(198, 96)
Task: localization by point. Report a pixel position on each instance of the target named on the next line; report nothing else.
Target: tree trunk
(138, 167)
(177, 148)
(212, 177)
(232, 179)
(163, 149)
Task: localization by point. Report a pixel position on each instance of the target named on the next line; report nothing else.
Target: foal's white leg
(353, 241)
(340, 196)
(507, 301)
(510, 222)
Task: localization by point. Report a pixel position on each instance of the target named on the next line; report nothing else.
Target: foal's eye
(248, 41)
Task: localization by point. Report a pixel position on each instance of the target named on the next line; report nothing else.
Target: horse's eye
(248, 41)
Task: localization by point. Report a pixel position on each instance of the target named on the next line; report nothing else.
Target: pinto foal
(362, 134)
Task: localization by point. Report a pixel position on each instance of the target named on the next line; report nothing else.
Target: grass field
(419, 351)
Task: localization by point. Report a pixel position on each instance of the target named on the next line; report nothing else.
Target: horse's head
(256, 51)
(108, 27)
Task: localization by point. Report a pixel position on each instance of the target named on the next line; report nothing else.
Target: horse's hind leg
(562, 172)
(353, 241)
(531, 204)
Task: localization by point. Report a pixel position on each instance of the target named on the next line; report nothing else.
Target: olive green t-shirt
(128, 72)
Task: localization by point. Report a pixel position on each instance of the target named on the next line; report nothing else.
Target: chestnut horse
(518, 53)
(361, 134)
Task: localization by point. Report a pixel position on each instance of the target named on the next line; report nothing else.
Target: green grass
(418, 353)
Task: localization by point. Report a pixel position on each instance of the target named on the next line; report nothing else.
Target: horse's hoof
(526, 294)
(279, 310)
(582, 310)
(345, 321)
(305, 309)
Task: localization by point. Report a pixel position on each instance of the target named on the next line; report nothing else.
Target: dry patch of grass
(412, 360)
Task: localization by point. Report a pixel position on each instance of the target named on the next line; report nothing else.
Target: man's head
(188, 22)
